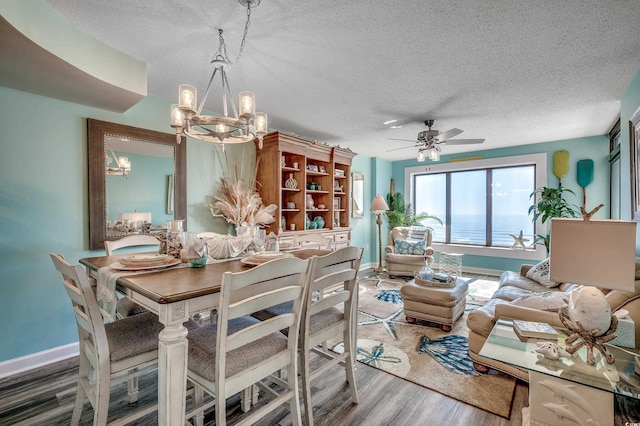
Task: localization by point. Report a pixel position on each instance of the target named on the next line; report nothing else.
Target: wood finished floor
(384, 400)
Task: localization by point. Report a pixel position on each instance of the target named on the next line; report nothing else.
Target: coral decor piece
(589, 338)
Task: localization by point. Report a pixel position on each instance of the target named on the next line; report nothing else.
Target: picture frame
(336, 203)
(321, 169)
(357, 195)
(634, 141)
(312, 168)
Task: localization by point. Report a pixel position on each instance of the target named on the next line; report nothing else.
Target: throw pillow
(547, 301)
(417, 232)
(540, 274)
(409, 247)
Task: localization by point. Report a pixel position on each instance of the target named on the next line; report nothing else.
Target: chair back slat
(258, 331)
(263, 301)
(131, 241)
(330, 280)
(329, 302)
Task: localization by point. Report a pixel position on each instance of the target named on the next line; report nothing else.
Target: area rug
(422, 353)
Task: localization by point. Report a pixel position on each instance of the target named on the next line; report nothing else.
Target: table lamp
(597, 254)
(378, 207)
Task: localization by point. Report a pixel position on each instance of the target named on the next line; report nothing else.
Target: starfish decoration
(376, 357)
(519, 240)
(386, 322)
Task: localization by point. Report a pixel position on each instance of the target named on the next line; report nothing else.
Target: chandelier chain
(246, 30)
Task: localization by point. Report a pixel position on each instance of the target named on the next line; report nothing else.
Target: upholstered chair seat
(408, 250)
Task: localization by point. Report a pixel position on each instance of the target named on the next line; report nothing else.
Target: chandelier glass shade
(123, 164)
(234, 125)
(430, 151)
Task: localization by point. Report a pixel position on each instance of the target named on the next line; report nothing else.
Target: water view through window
(472, 213)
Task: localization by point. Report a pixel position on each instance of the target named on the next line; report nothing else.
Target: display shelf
(276, 165)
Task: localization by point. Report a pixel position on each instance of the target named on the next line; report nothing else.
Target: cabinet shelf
(331, 172)
(310, 173)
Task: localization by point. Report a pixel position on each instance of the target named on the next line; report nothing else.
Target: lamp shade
(378, 204)
(599, 253)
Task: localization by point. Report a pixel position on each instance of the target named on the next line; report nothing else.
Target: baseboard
(481, 271)
(38, 359)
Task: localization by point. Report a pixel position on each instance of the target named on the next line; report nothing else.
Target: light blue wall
(595, 148)
(44, 205)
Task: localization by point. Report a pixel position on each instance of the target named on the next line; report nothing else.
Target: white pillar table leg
(172, 364)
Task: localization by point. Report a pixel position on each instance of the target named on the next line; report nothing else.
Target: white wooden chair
(122, 349)
(131, 241)
(239, 351)
(126, 307)
(312, 241)
(333, 314)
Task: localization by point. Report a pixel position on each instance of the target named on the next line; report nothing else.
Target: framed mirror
(133, 172)
(357, 194)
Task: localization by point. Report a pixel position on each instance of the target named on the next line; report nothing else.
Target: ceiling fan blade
(404, 147)
(449, 134)
(462, 141)
(404, 140)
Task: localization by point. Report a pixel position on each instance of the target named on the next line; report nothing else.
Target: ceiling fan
(428, 141)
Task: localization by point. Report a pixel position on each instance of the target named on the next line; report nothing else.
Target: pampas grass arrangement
(237, 199)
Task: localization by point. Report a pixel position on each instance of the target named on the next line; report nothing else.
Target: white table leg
(172, 364)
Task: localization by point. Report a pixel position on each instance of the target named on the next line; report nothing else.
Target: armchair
(405, 264)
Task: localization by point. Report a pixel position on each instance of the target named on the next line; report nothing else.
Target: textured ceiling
(511, 72)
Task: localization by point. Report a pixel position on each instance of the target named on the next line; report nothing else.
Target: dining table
(175, 294)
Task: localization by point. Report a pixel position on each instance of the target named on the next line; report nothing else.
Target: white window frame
(540, 162)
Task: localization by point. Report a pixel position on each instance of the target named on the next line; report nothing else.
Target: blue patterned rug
(422, 353)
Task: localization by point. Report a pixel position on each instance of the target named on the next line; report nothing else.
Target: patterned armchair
(409, 247)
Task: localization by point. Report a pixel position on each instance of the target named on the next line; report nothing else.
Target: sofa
(409, 247)
(515, 292)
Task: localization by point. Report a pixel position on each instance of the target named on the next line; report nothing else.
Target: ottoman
(441, 305)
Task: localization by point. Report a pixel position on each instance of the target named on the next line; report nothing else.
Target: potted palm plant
(550, 203)
(402, 214)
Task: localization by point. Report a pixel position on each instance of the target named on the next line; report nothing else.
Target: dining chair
(123, 349)
(126, 307)
(331, 314)
(239, 351)
(312, 240)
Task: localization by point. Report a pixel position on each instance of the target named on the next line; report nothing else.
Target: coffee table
(566, 391)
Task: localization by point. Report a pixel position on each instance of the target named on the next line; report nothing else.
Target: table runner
(106, 285)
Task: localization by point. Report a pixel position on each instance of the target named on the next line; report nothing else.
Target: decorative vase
(307, 222)
(309, 202)
(319, 220)
(291, 183)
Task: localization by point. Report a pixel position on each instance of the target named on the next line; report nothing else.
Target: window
(482, 203)
(614, 172)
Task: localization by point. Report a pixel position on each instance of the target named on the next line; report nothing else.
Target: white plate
(252, 260)
(268, 255)
(120, 267)
(146, 258)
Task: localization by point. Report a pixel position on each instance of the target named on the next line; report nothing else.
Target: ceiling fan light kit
(429, 140)
(236, 125)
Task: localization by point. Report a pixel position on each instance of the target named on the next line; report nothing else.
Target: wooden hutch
(321, 172)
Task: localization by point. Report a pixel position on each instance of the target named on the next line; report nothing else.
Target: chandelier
(236, 125)
(123, 164)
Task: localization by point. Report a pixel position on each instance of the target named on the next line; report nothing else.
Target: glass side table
(566, 391)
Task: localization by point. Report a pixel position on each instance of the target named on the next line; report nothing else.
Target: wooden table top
(181, 283)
